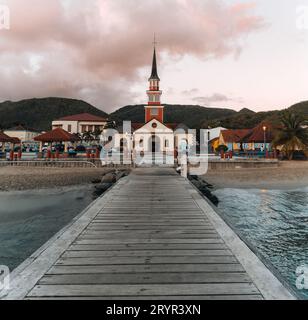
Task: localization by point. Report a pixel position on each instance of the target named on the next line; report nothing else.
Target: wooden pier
(152, 236)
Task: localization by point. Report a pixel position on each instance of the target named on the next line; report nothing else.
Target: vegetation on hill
(39, 113)
(249, 119)
(192, 116)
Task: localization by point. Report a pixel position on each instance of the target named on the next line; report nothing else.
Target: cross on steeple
(155, 42)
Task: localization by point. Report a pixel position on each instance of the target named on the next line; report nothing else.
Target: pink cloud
(93, 50)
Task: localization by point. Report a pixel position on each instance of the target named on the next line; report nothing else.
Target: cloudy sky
(232, 53)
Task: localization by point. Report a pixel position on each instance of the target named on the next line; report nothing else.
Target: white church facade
(151, 142)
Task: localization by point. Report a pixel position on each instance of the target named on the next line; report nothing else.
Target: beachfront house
(80, 123)
(24, 134)
(212, 135)
(234, 140)
(245, 140)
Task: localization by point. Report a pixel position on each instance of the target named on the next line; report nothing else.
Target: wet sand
(19, 178)
(289, 175)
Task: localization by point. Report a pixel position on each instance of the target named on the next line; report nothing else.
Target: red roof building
(83, 117)
(248, 139)
(234, 136)
(6, 139)
(81, 123)
(57, 135)
(257, 134)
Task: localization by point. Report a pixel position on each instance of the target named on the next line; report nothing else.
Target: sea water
(29, 219)
(274, 223)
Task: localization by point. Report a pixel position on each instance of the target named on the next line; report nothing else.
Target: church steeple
(154, 110)
(154, 75)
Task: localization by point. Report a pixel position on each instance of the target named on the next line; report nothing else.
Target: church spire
(154, 109)
(154, 75)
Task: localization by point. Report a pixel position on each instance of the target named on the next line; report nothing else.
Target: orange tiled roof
(83, 117)
(237, 135)
(257, 134)
(5, 138)
(57, 135)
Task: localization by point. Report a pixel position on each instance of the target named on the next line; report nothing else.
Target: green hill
(249, 119)
(192, 116)
(39, 113)
(301, 107)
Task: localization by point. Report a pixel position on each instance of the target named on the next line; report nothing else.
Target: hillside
(249, 119)
(39, 113)
(192, 116)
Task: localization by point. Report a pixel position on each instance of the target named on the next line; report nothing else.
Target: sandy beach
(19, 178)
(289, 175)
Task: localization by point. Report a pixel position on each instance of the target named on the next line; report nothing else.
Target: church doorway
(154, 148)
(155, 144)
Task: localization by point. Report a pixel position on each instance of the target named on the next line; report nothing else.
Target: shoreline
(290, 175)
(27, 179)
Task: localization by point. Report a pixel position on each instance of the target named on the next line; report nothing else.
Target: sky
(217, 53)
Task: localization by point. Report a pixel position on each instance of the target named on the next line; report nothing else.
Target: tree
(88, 136)
(221, 148)
(110, 125)
(292, 135)
(97, 133)
(80, 137)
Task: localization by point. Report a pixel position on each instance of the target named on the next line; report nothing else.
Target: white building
(24, 134)
(80, 123)
(214, 133)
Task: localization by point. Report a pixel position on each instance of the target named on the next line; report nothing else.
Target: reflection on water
(274, 222)
(29, 219)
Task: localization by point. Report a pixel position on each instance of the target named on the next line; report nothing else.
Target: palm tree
(292, 135)
(88, 136)
(80, 137)
(97, 133)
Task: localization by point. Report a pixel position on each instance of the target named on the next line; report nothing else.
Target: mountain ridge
(40, 112)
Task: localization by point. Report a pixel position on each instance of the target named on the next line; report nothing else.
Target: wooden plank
(88, 261)
(147, 278)
(150, 268)
(148, 241)
(149, 227)
(143, 290)
(154, 222)
(138, 246)
(143, 237)
(148, 253)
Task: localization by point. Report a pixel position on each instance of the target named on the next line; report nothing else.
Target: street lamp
(264, 129)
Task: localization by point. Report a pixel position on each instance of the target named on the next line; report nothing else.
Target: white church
(152, 142)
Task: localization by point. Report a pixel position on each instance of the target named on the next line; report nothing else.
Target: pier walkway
(152, 236)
